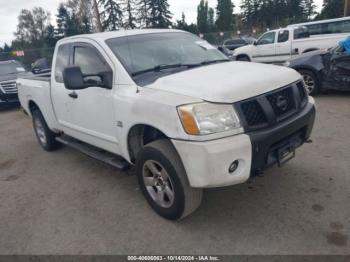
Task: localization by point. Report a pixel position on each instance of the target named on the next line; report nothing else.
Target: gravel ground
(66, 203)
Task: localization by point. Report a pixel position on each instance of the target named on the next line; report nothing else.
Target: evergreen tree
(130, 22)
(332, 9)
(160, 15)
(61, 21)
(112, 14)
(142, 9)
(202, 16)
(225, 17)
(211, 19)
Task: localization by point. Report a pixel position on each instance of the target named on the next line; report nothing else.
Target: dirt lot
(66, 203)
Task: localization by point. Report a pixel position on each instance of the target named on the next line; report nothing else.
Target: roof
(122, 33)
(322, 21)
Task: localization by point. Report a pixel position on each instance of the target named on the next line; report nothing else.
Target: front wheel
(46, 138)
(311, 82)
(243, 58)
(163, 181)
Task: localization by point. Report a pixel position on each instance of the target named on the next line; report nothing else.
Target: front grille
(273, 107)
(253, 113)
(9, 87)
(302, 92)
(282, 102)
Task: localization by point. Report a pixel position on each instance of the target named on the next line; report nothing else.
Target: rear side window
(283, 36)
(62, 60)
(89, 60)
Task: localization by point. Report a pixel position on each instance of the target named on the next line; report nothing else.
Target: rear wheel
(311, 82)
(46, 138)
(163, 181)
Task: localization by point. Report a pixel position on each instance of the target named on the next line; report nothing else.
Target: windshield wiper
(159, 68)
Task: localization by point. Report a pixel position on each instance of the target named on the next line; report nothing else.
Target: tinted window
(329, 28)
(301, 32)
(235, 42)
(62, 60)
(283, 36)
(268, 38)
(90, 62)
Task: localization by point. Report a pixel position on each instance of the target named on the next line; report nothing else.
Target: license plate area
(285, 153)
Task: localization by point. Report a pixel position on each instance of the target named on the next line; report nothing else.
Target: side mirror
(73, 78)
(255, 42)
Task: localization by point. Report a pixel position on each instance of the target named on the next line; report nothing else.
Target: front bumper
(207, 163)
(8, 100)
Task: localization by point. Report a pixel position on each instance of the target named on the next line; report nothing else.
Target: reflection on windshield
(148, 52)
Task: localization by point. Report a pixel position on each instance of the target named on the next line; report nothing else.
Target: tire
(311, 81)
(160, 156)
(46, 138)
(243, 58)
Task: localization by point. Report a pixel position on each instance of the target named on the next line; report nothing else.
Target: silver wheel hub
(158, 183)
(309, 83)
(40, 131)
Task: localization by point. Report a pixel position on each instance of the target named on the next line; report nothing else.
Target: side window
(268, 38)
(62, 60)
(283, 36)
(89, 60)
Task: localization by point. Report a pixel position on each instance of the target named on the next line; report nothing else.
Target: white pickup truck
(171, 105)
(279, 46)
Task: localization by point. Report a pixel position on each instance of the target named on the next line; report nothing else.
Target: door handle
(73, 95)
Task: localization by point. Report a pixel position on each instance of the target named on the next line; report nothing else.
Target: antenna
(131, 58)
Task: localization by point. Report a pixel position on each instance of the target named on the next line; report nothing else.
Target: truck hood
(8, 77)
(227, 82)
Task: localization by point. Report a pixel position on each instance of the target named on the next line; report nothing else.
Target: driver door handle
(73, 95)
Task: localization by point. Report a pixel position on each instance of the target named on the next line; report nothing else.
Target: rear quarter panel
(37, 91)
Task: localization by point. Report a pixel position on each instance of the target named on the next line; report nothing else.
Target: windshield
(10, 68)
(142, 53)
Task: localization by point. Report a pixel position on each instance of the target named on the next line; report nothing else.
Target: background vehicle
(278, 46)
(41, 66)
(234, 43)
(9, 71)
(327, 27)
(172, 105)
(324, 70)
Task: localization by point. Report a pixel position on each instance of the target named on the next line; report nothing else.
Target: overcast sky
(9, 11)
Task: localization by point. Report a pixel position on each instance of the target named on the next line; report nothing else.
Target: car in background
(9, 71)
(324, 69)
(234, 43)
(226, 52)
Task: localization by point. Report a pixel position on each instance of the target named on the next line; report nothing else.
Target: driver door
(266, 48)
(91, 110)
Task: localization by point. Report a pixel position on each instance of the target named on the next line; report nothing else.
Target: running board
(95, 153)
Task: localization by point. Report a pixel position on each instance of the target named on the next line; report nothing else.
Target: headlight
(208, 118)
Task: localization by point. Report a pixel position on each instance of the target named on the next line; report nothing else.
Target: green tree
(61, 20)
(160, 15)
(142, 9)
(332, 9)
(202, 16)
(112, 14)
(130, 21)
(211, 19)
(225, 17)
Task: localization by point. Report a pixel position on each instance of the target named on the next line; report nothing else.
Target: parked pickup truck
(171, 105)
(9, 71)
(278, 46)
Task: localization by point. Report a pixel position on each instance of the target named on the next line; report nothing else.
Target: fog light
(233, 167)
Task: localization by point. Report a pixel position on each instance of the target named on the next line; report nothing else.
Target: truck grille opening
(254, 113)
(9, 87)
(272, 108)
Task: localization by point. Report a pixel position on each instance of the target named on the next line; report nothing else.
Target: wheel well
(32, 106)
(141, 135)
(243, 55)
